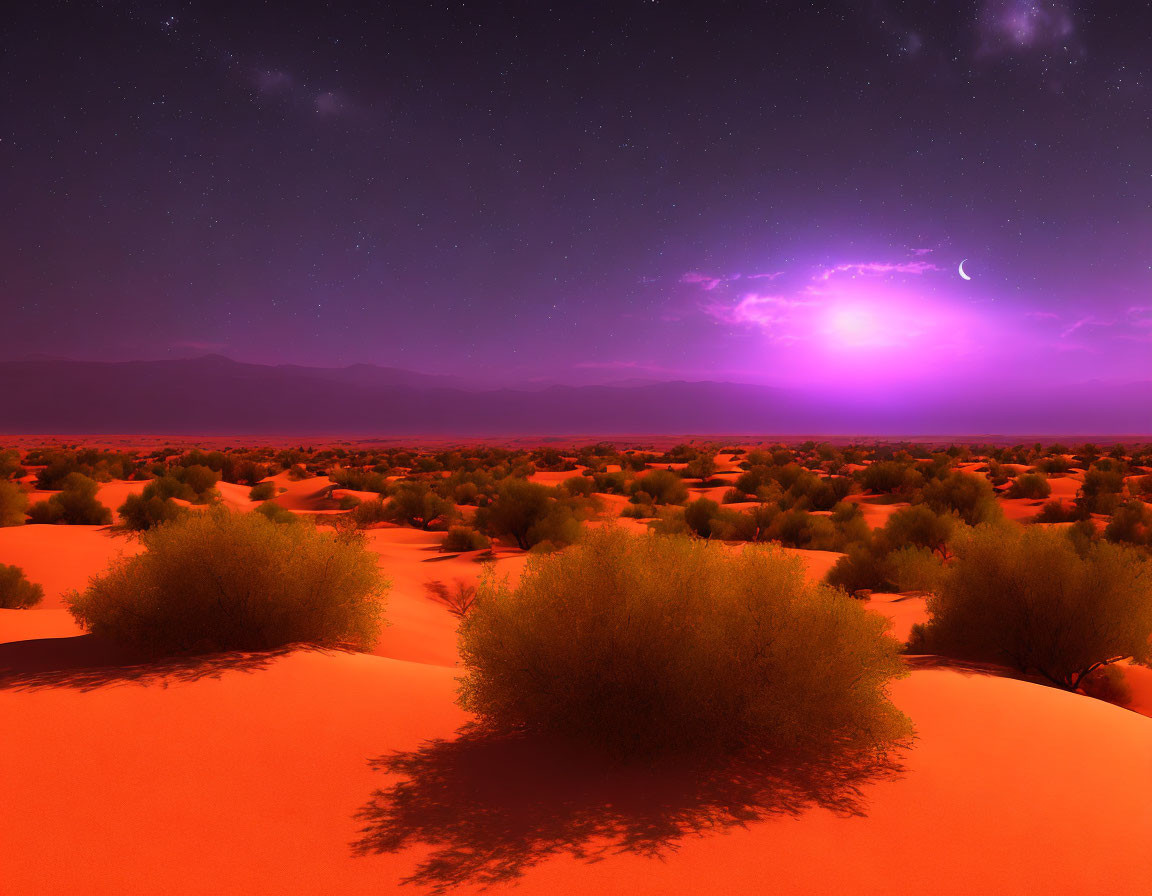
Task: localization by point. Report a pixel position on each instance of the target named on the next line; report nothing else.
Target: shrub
(970, 496)
(1030, 485)
(200, 480)
(13, 504)
(10, 463)
(1055, 511)
(415, 504)
(643, 644)
(1131, 523)
(579, 486)
(1027, 598)
(139, 513)
(529, 513)
(862, 568)
(274, 513)
(369, 513)
(262, 491)
(222, 581)
(884, 477)
(699, 514)
(348, 502)
(920, 526)
(464, 538)
(76, 505)
(16, 592)
(1099, 492)
(664, 487)
(915, 569)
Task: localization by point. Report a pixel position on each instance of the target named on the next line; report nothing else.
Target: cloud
(1012, 27)
(879, 268)
(711, 282)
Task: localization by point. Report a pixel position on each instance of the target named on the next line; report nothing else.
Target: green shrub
(1030, 485)
(370, 513)
(862, 568)
(643, 644)
(699, 515)
(1026, 597)
(262, 491)
(464, 538)
(971, 497)
(915, 569)
(1055, 511)
(16, 592)
(217, 581)
(274, 513)
(10, 463)
(139, 513)
(664, 487)
(529, 513)
(920, 526)
(1131, 523)
(76, 505)
(415, 504)
(579, 486)
(13, 504)
(1100, 490)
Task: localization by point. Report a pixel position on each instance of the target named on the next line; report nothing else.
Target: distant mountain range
(214, 395)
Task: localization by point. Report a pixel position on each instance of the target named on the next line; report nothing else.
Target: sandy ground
(249, 780)
(234, 775)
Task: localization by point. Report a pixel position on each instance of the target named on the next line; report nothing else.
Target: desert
(324, 768)
(639, 448)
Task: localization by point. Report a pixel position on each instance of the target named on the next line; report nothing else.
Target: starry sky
(584, 192)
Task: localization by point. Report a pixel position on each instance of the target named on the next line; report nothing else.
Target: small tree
(527, 512)
(1030, 485)
(16, 592)
(1026, 597)
(217, 581)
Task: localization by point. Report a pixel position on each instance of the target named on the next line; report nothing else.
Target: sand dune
(247, 780)
(62, 557)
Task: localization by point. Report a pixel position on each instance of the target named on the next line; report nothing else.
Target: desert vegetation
(16, 592)
(76, 504)
(653, 644)
(1029, 599)
(217, 581)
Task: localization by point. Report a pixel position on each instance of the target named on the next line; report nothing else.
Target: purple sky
(593, 192)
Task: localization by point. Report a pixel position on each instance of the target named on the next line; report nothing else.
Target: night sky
(585, 192)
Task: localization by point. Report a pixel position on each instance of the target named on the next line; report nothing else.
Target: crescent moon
(962, 274)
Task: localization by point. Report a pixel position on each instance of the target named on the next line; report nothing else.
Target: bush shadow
(492, 807)
(86, 663)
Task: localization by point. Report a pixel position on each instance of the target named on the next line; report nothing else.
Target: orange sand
(248, 783)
